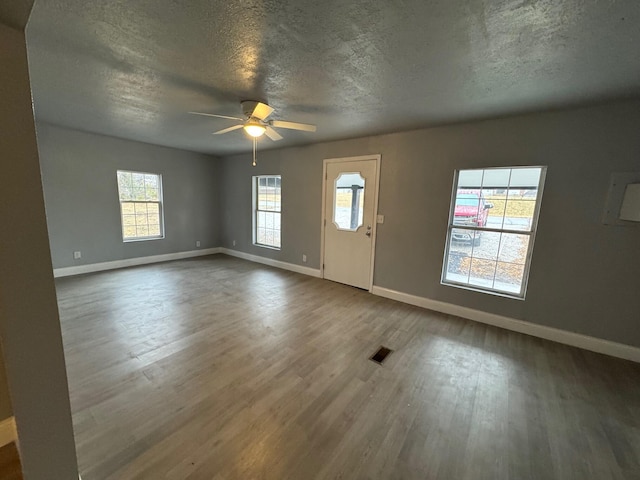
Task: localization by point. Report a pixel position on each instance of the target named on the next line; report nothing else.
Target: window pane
(138, 180)
(519, 214)
(269, 220)
(269, 194)
(348, 201)
(152, 194)
(129, 231)
(125, 192)
(458, 264)
(487, 245)
(470, 178)
(525, 177)
(509, 277)
(154, 230)
(142, 231)
(124, 179)
(151, 181)
(153, 208)
(153, 218)
(277, 200)
(128, 220)
(467, 209)
(514, 248)
(465, 236)
(495, 213)
(482, 272)
(141, 208)
(124, 185)
(476, 265)
(496, 177)
(268, 237)
(139, 194)
(128, 208)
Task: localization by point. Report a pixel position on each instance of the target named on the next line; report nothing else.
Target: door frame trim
(377, 157)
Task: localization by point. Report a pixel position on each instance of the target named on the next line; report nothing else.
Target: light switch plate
(380, 219)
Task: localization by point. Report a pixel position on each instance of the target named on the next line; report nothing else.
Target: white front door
(350, 192)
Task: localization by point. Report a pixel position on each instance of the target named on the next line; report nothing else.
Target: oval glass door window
(348, 201)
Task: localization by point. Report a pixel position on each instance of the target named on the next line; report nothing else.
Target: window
(267, 207)
(140, 205)
(492, 225)
(348, 201)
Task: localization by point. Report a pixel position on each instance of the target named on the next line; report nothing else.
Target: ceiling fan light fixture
(255, 129)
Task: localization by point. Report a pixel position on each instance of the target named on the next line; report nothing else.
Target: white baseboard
(8, 432)
(313, 272)
(593, 344)
(130, 262)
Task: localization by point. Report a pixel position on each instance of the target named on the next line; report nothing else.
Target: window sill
(269, 247)
(133, 240)
(496, 293)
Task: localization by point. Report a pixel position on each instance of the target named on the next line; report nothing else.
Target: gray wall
(81, 193)
(29, 323)
(584, 275)
(301, 206)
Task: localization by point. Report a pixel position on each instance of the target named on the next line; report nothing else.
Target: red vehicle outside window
(471, 210)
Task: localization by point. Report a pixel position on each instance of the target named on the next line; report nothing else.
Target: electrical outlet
(304, 258)
(234, 243)
(77, 255)
(197, 243)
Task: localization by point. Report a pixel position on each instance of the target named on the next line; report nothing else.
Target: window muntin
(267, 210)
(492, 225)
(140, 205)
(348, 201)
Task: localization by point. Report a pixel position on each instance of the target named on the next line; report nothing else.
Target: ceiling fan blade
(272, 134)
(230, 129)
(293, 125)
(217, 116)
(262, 111)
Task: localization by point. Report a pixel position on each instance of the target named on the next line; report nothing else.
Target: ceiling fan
(255, 123)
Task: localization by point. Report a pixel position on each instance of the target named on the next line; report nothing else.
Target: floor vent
(381, 355)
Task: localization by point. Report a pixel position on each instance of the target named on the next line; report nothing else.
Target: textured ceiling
(134, 69)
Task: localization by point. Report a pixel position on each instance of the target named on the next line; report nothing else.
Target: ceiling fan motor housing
(248, 106)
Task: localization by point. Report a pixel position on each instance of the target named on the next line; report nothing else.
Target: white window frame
(158, 202)
(256, 210)
(531, 233)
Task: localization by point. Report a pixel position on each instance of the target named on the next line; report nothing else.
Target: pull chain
(255, 141)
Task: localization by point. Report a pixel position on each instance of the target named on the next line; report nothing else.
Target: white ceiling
(134, 69)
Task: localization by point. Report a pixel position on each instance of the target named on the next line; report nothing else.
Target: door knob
(368, 233)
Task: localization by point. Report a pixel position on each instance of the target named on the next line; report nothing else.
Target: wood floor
(217, 368)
